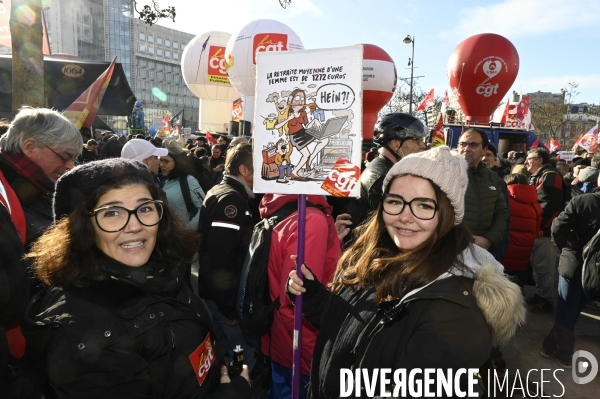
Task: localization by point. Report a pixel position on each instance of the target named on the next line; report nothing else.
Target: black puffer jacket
(573, 228)
(371, 189)
(140, 333)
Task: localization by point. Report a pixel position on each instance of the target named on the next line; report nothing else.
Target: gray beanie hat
(447, 171)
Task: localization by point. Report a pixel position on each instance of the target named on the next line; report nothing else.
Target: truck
(504, 139)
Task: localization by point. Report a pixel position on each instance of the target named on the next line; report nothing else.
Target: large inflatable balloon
(203, 67)
(481, 70)
(256, 36)
(379, 83)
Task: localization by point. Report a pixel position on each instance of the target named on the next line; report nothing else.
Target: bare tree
(401, 99)
(549, 117)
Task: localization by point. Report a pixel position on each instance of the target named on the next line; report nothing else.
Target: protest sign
(308, 121)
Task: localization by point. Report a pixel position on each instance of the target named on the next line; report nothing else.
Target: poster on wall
(308, 122)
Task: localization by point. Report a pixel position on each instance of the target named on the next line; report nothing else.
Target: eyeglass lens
(471, 144)
(115, 218)
(422, 208)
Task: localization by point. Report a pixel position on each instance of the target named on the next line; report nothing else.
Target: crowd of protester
(425, 270)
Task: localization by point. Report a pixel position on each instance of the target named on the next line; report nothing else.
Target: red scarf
(29, 170)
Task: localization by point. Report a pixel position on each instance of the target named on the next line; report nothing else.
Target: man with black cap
(396, 135)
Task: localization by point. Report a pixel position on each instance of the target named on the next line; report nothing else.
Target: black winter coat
(549, 185)
(128, 336)
(226, 228)
(440, 326)
(573, 228)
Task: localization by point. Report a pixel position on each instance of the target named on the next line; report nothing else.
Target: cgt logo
(216, 61)
(269, 42)
(581, 367)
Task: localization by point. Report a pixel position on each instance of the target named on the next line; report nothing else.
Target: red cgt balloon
(379, 83)
(481, 70)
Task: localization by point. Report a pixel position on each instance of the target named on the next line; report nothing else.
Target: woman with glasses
(412, 292)
(116, 319)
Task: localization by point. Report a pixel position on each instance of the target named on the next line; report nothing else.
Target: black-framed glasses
(421, 208)
(471, 144)
(114, 218)
(63, 159)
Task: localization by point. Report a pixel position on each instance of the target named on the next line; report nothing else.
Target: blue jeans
(569, 304)
(230, 336)
(281, 383)
(283, 169)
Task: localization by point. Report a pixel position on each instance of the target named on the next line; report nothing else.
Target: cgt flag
(177, 119)
(437, 138)
(536, 143)
(83, 110)
(166, 123)
(554, 145)
(589, 141)
(427, 101)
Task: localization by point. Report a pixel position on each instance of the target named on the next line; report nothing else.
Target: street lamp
(411, 63)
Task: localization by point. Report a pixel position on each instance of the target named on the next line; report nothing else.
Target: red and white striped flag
(427, 101)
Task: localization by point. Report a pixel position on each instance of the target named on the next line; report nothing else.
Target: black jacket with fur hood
(451, 323)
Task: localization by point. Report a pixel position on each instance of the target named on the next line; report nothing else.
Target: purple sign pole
(297, 344)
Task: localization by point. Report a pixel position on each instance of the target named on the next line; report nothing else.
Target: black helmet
(398, 126)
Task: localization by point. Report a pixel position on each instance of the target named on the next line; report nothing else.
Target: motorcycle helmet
(398, 126)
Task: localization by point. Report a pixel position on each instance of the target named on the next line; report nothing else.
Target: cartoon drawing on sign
(314, 132)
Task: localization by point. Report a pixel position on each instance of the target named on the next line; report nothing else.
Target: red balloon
(379, 83)
(481, 70)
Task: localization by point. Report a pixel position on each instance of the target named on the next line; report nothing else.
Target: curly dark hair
(64, 255)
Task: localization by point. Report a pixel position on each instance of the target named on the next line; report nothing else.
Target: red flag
(536, 143)
(176, 130)
(437, 135)
(554, 145)
(83, 110)
(427, 101)
(522, 109)
(166, 123)
(210, 138)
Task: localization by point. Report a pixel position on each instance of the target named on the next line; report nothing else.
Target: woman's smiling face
(406, 230)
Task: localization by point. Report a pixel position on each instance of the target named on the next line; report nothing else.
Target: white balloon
(203, 67)
(256, 36)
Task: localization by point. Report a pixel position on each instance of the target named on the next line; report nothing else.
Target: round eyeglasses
(114, 218)
(421, 208)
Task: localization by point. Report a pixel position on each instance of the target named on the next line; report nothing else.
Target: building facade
(99, 30)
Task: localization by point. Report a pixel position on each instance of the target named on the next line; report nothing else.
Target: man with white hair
(145, 152)
(39, 146)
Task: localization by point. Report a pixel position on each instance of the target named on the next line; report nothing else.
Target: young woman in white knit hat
(412, 293)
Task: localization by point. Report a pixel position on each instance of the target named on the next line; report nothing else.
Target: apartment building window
(168, 67)
(151, 49)
(175, 55)
(167, 54)
(143, 48)
(169, 77)
(142, 36)
(167, 43)
(78, 30)
(151, 64)
(176, 45)
(159, 41)
(159, 52)
(143, 62)
(160, 76)
(160, 66)
(151, 74)
(86, 19)
(86, 32)
(77, 16)
(150, 39)
(176, 78)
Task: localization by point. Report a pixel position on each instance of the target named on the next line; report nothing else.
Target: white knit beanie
(447, 171)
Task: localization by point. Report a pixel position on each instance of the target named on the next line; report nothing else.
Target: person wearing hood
(321, 238)
(116, 319)
(413, 291)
